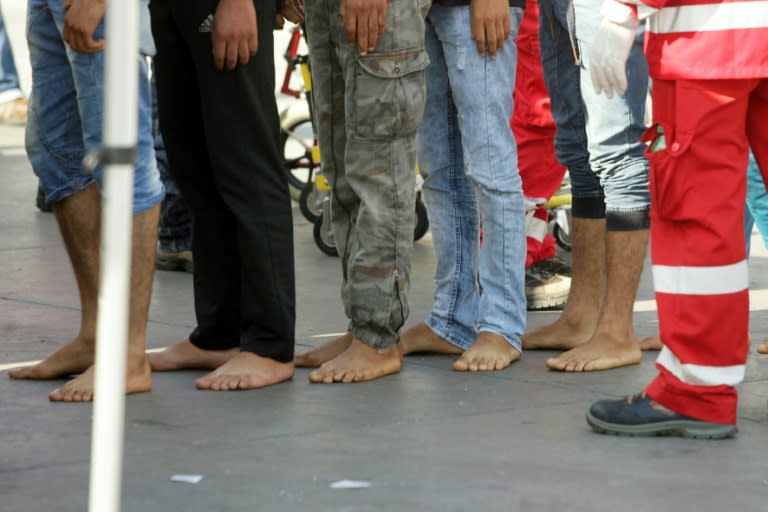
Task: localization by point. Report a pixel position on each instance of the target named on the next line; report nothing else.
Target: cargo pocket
(389, 94)
(669, 187)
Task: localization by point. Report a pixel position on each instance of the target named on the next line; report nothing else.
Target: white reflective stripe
(710, 17)
(701, 280)
(536, 229)
(700, 375)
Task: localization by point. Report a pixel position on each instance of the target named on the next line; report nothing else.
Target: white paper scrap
(187, 479)
(350, 484)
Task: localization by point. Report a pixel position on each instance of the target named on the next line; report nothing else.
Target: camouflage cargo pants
(368, 108)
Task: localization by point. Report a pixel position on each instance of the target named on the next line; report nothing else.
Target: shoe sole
(690, 429)
(175, 265)
(547, 301)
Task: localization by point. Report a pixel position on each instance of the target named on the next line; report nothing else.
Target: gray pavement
(427, 439)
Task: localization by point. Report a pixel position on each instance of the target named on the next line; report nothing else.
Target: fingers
(253, 43)
(373, 31)
(232, 55)
(219, 52)
(362, 35)
(492, 40)
(478, 34)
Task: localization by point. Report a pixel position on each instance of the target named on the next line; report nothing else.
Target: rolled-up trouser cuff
(588, 207)
(633, 220)
(373, 339)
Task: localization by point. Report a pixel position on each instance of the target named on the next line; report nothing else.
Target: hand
(235, 34)
(608, 56)
(80, 22)
(490, 24)
(293, 11)
(364, 21)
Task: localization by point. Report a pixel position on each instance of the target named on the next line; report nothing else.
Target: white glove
(610, 48)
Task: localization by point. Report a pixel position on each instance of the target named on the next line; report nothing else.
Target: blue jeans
(756, 211)
(66, 112)
(598, 139)
(9, 77)
(468, 158)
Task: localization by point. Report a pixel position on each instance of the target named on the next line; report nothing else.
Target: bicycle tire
(323, 244)
(294, 163)
(422, 220)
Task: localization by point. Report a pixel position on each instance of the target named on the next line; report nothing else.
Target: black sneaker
(640, 415)
(553, 265)
(175, 261)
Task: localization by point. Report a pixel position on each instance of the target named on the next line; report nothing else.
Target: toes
(349, 377)
(554, 363)
(461, 364)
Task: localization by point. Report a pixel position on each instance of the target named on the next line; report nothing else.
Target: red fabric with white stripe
(698, 249)
(707, 39)
(534, 131)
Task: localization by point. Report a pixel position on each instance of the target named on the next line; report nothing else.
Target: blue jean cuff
(457, 335)
(588, 207)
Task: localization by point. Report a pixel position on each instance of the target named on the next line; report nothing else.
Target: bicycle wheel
(422, 221)
(297, 140)
(310, 207)
(324, 238)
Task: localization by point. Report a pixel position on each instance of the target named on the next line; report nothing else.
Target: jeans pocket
(389, 93)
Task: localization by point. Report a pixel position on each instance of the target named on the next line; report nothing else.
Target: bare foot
(246, 371)
(600, 353)
(138, 379)
(489, 352)
(358, 363)
(562, 334)
(652, 342)
(73, 358)
(762, 348)
(324, 353)
(420, 338)
(184, 355)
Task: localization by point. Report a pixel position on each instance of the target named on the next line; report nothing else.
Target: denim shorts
(66, 112)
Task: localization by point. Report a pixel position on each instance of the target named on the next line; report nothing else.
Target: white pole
(120, 135)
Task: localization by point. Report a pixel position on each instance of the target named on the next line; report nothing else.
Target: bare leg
(138, 373)
(652, 342)
(358, 363)
(579, 317)
(489, 352)
(79, 221)
(420, 338)
(614, 343)
(184, 355)
(317, 356)
(246, 371)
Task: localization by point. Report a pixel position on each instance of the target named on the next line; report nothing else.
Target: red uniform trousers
(534, 131)
(697, 238)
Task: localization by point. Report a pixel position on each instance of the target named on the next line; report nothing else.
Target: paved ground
(428, 439)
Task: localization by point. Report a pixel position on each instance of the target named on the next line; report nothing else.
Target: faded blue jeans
(468, 158)
(9, 77)
(598, 139)
(66, 110)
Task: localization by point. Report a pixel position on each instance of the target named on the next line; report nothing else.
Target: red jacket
(706, 39)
